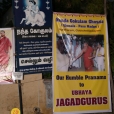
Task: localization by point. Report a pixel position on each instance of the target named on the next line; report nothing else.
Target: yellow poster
(81, 78)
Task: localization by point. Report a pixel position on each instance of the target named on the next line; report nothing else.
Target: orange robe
(5, 45)
(88, 63)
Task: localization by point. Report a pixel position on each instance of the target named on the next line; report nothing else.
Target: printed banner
(33, 50)
(81, 77)
(7, 60)
(32, 13)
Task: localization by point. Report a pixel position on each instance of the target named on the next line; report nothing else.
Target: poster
(7, 60)
(33, 49)
(81, 77)
(32, 13)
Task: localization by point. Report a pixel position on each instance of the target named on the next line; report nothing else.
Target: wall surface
(33, 94)
(9, 98)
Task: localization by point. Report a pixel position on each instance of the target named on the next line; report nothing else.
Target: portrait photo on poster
(80, 52)
(32, 13)
(6, 56)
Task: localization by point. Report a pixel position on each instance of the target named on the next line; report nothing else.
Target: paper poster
(33, 50)
(7, 60)
(81, 75)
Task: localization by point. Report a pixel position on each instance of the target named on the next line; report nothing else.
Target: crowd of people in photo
(72, 53)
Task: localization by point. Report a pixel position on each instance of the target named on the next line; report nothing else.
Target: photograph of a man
(82, 53)
(87, 52)
(99, 57)
(5, 47)
(77, 51)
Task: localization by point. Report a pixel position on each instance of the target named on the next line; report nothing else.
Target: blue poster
(33, 49)
(32, 13)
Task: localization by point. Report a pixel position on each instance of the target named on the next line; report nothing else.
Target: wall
(33, 93)
(8, 98)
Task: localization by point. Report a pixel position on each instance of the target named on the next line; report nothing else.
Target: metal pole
(20, 96)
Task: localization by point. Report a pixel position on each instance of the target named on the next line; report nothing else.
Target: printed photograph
(6, 56)
(80, 52)
(32, 13)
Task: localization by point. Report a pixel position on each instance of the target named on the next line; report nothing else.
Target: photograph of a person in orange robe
(5, 47)
(67, 55)
(87, 52)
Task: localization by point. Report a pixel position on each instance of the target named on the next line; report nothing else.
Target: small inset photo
(80, 52)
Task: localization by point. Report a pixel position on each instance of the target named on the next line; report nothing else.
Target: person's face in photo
(94, 46)
(85, 45)
(2, 34)
(31, 4)
(99, 46)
